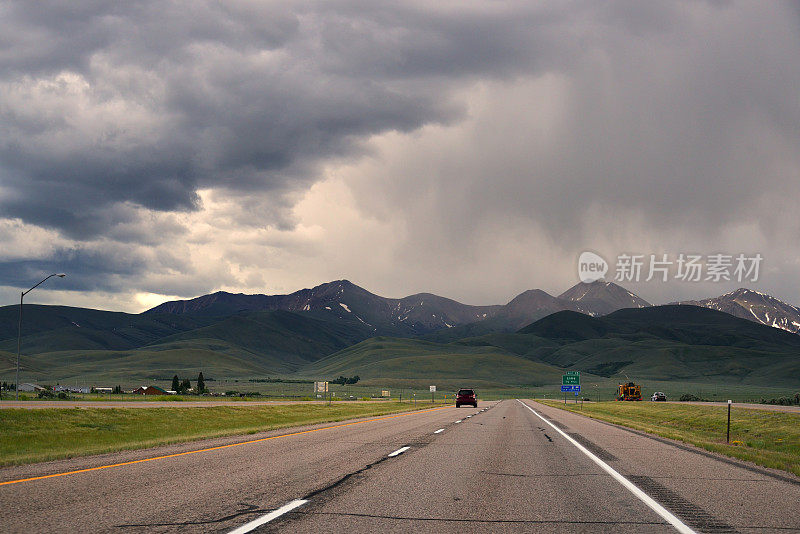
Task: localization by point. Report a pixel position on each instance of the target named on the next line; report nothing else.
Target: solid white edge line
(439, 431)
(254, 524)
(401, 450)
(679, 525)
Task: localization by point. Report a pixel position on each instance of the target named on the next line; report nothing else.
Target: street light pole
(19, 330)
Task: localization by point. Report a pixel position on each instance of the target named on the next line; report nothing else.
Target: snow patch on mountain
(755, 306)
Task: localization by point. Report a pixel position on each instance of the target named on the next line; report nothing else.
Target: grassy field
(414, 359)
(770, 439)
(46, 434)
(594, 389)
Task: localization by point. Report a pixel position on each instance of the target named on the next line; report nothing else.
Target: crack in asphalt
(344, 479)
(419, 442)
(554, 475)
(250, 509)
(490, 521)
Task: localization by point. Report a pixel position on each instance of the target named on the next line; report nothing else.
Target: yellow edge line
(214, 448)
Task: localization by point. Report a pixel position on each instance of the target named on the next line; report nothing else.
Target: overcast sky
(155, 150)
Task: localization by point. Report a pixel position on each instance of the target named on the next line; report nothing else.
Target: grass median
(767, 438)
(39, 435)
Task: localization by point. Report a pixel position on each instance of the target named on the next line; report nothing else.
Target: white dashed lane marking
(266, 518)
(401, 450)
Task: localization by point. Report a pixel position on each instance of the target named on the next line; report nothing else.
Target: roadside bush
(794, 400)
(342, 380)
(45, 394)
(690, 397)
(63, 395)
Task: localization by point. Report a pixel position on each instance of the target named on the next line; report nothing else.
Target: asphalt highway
(511, 466)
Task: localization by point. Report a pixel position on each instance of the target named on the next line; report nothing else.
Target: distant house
(149, 390)
(31, 387)
(103, 390)
(71, 389)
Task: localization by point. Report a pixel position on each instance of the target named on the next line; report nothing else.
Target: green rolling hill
(393, 358)
(128, 367)
(106, 344)
(48, 328)
(681, 343)
(660, 343)
(283, 334)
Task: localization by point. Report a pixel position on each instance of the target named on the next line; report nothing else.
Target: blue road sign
(576, 389)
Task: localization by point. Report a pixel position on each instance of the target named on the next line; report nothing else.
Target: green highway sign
(572, 378)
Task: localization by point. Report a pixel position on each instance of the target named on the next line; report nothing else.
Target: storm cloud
(468, 148)
(149, 101)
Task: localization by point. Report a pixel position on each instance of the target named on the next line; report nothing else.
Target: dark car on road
(658, 396)
(466, 396)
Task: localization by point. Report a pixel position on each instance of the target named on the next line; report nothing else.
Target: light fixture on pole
(19, 331)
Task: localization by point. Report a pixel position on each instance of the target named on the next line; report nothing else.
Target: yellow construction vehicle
(629, 392)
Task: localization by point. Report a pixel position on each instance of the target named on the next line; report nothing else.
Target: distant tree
(201, 384)
(354, 379)
(176, 383)
(117, 390)
(185, 386)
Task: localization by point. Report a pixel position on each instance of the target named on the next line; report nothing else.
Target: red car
(466, 396)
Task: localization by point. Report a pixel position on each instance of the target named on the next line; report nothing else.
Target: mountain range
(754, 306)
(413, 315)
(425, 313)
(341, 328)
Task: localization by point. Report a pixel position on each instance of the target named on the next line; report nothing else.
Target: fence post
(728, 438)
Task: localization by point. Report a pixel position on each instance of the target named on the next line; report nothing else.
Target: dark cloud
(107, 267)
(683, 114)
(146, 102)
(580, 124)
